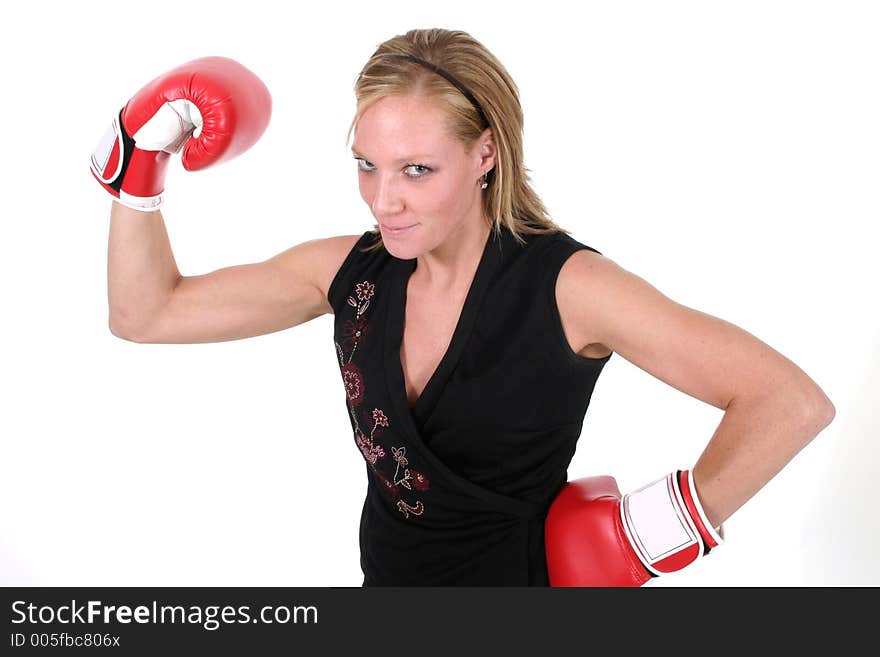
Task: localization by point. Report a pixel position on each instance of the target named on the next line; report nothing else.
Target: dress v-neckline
(430, 394)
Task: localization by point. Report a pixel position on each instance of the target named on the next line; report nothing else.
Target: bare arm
(772, 408)
(141, 270)
(151, 302)
(756, 438)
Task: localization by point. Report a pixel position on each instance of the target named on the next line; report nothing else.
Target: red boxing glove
(595, 538)
(214, 108)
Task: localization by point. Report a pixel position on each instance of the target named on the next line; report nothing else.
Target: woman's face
(415, 176)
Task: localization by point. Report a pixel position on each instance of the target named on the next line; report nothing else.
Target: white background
(728, 153)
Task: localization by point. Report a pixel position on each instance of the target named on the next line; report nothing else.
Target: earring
(485, 183)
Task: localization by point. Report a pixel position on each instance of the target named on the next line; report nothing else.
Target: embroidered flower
(379, 418)
(400, 456)
(365, 290)
(371, 451)
(353, 331)
(353, 381)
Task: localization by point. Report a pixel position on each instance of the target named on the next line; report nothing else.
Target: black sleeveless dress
(459, 486)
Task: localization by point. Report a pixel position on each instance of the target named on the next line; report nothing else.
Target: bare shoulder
(318, 261)
(606, 303)
(599, 294)
(582, 280)
(331, 253)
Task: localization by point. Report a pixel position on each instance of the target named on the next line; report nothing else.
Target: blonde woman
(470, 329)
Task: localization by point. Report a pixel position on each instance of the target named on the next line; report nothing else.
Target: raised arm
(151, 302)
(212, 109)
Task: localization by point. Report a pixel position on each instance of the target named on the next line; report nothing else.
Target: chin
(407, 252)
(405, 248)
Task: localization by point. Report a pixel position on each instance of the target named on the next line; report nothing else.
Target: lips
(397, 233)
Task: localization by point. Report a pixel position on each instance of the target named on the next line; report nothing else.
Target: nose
(384, 195)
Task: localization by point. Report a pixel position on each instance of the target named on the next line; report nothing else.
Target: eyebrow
(405, 159)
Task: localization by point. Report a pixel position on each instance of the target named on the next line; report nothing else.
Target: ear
(487, 150)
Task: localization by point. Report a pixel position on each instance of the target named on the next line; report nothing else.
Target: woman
(470, 329)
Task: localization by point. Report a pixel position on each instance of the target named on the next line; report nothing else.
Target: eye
(414, 171)
(424, 171)
(362, 163)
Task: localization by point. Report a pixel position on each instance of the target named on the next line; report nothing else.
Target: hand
(595, 537)
(213, 108)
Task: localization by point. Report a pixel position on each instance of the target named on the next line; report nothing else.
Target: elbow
(120, 333)
(828, 411)
(123, 330)
(820, 410)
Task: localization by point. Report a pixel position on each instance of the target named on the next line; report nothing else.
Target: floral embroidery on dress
(353, 332)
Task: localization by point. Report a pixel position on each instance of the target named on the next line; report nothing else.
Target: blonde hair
(509, 199)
